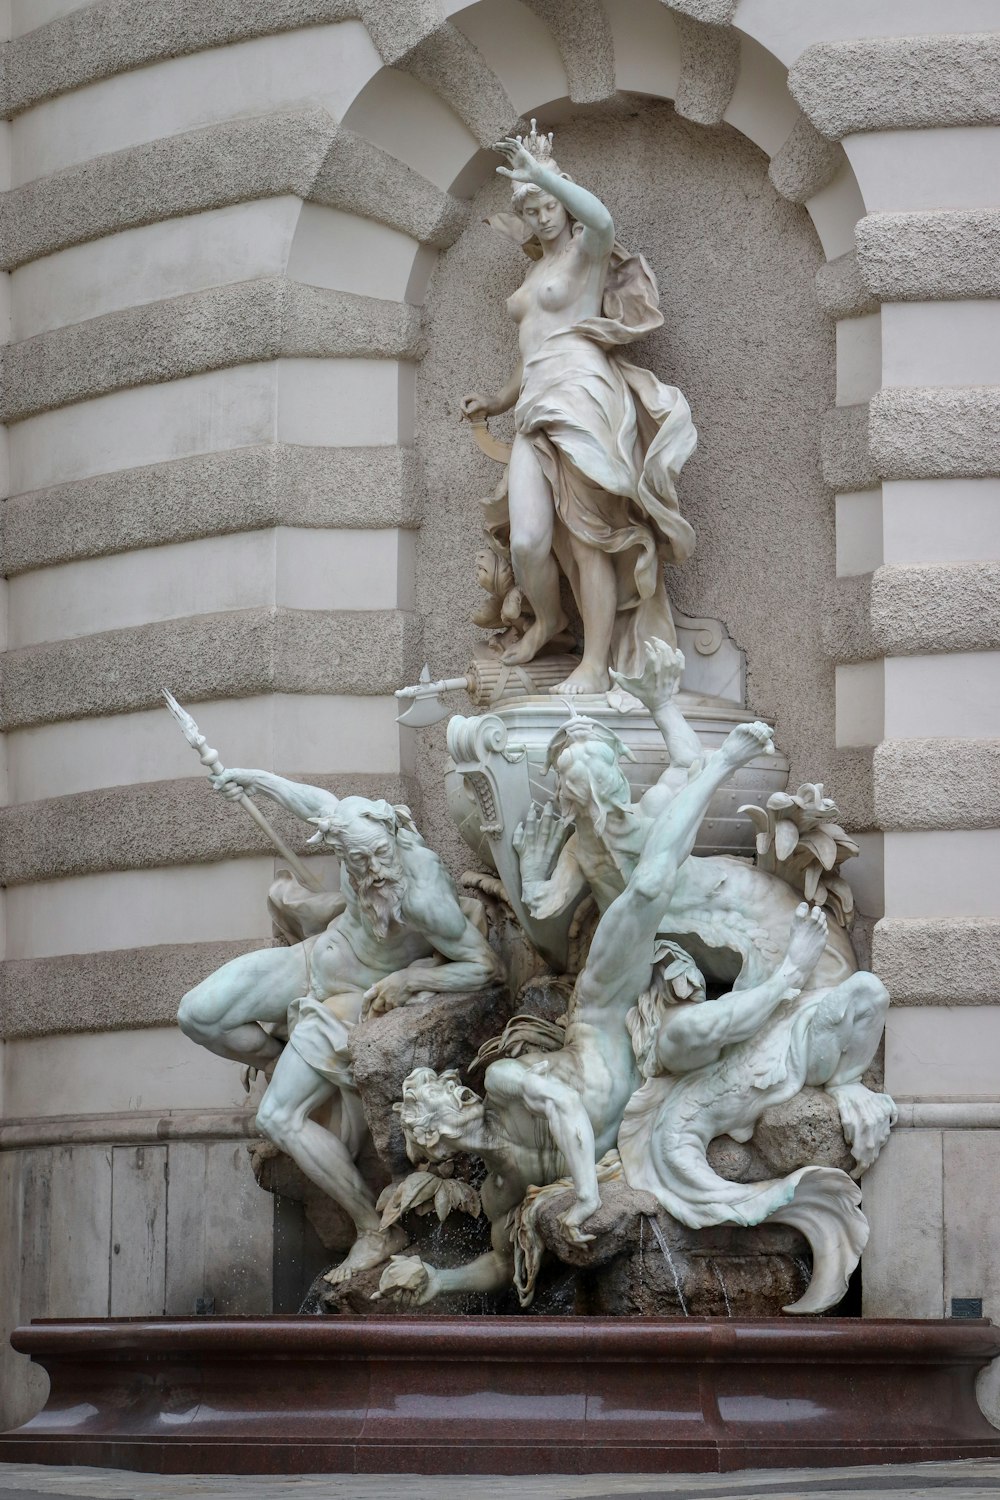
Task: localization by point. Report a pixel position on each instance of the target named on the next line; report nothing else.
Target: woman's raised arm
(588, 210)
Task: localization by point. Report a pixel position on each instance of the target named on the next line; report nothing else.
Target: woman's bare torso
(559, 291)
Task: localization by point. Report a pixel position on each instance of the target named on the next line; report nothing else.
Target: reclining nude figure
(733, 918)
(548, 1115)
(397, 934)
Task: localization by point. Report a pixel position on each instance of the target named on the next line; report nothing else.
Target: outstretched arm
(306, 802)
(411, 1282)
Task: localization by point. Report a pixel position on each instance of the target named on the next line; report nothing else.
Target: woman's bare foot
(534, 638)
(369, 1250)
(586, 679)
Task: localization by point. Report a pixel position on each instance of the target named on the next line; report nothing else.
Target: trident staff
(210, 760)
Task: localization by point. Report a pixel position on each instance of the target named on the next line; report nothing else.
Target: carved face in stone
(543, 215)
(365, 839)
(435, 1113)
(591, 783)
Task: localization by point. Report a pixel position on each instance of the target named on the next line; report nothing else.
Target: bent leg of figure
(694, 1035)
(532, 514)
(224, 1012)
(598, 601)
(560, 1106)
(843, 1038)
(295, 1090)
(672, 836)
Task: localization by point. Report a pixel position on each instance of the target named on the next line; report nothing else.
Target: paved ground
(959, 1481)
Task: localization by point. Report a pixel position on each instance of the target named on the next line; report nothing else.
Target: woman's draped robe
(611, 440)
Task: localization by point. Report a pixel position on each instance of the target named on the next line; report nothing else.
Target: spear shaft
(210, 760)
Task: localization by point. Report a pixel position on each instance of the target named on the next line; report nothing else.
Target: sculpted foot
(746, 742)
(369, 1250)
(534, 638)
(806, 942)
(584, 680)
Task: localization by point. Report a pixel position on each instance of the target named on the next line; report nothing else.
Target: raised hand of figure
(659, 677)
(233, 784)
(537, 842)
(867, 1118)
(385, 995)
(523, 166)
(408, 1280)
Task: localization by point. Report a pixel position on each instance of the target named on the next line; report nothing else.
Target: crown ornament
(538, 146)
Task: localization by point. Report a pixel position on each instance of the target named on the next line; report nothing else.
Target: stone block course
(805, 163)
(238, 324)
(937, 783)
(935, 432)
(233, 655)
(156, 824)
(948, 962)
(118, 990)
(914, 609)
(301, 151)
(899, 83)
(710, 64)
(210, 494)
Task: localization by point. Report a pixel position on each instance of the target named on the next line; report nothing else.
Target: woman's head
(543, 214)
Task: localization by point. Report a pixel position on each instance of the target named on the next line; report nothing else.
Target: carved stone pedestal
(503, 1395)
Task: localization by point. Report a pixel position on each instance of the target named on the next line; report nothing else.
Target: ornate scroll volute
(495, 774)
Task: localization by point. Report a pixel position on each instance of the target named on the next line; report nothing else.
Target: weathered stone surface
(804, 1132)
(898, 83)
(805, 163)
(302, 151)
(152, 824)
(954, 961)
(710, 63)
(944, 253)
(585, 43)
(935, 432)
(114, 990)
(847, 460)
(210, 494)
(269, 318)
(842, 289)
(234, 654)
(643, 1263)
(445, 1032)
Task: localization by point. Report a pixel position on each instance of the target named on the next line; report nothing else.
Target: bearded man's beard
(381, 900)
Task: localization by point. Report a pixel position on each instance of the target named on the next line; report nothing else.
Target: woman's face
(544, 215)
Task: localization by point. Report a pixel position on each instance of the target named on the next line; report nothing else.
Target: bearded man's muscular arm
(465, 959)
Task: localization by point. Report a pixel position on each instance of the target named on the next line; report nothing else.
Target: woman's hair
(522, 191)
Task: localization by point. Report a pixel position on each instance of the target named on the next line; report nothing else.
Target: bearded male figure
(397, 934)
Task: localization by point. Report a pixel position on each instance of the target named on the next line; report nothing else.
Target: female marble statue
(599, 442)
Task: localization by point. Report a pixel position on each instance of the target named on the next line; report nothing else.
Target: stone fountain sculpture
(651, 968)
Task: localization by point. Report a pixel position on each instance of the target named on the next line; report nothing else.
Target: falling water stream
(718, 1276)
(658, 1236)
